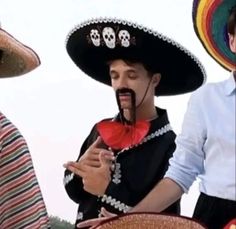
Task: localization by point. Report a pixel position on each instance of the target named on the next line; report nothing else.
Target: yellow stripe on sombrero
(201, 21)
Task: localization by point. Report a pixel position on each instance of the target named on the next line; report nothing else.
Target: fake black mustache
(121, 91)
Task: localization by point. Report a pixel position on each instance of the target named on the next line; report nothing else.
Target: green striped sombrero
(210, 24)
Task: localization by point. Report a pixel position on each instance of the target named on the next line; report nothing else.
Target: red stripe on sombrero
(202, 16)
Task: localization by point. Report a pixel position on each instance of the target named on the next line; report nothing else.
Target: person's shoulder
(207, 89)
(101, 120)
(107, 119)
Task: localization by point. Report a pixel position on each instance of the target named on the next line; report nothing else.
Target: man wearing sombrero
(21, 201)
(139, 64)
(206, 147)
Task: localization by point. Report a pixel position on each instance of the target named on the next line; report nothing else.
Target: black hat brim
(180, 70)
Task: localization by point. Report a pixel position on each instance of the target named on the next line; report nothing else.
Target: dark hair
(136, 61)
(1, 54)
(231, 24)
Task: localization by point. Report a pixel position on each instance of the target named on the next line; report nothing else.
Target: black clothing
(217, 218)
(137, 170)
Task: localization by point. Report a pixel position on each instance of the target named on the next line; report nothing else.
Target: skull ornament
(95, 37)
(124, 37)
(109, 37)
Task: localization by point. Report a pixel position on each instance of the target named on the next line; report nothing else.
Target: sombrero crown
(15, 58)
(210, 24)
(93, 43)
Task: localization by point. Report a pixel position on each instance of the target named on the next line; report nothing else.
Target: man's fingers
(94, 163)
(106, 213)
(77, 169)
(91, 222)
(81, 171)
(109, 155)
(106, 158)
(69, 166)
(82, 163)
(104, 162)
(94, 154)
(96, 143)
(70, 163)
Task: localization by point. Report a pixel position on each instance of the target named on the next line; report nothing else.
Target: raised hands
(91, 156)
(94, 167)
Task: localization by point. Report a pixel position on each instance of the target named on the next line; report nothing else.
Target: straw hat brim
(16, 58)
(149, 221)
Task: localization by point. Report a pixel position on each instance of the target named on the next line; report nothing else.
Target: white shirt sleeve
(188, 159)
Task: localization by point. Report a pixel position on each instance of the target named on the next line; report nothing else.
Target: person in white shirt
(206, 147)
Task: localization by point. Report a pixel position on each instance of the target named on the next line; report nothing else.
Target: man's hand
(92, 223)
(96, 179)
(90, 157)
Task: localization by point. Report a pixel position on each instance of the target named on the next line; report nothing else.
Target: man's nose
(122, 83)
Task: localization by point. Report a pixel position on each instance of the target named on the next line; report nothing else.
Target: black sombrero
(95, 42)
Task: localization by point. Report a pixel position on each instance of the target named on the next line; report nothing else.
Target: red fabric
(231, 224)
(119, 136)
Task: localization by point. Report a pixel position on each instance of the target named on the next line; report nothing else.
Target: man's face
(232, 42)
(134, 77)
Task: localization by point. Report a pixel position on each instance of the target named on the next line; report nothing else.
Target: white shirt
(206, 147)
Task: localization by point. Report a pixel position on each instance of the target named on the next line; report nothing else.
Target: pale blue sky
(56, 105)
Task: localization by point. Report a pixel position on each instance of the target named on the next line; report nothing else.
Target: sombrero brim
(210, 24)
(180, 69)
(16, 58)
(150, 221)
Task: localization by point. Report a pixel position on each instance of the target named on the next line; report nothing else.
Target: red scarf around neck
(119, 136)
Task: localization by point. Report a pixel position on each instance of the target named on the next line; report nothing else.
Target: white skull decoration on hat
(110, 38)
(95, 37)
(124, 37)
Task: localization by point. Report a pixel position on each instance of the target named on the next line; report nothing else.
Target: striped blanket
(21, 201)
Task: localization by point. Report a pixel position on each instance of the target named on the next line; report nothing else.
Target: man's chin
(126, 106)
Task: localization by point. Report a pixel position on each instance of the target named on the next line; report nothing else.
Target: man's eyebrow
(128, 70)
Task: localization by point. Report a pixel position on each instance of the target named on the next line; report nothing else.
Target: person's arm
(185, 165)
(159, 198)
(73, 183)
(165, 193)
(187, 162)
(90, 173)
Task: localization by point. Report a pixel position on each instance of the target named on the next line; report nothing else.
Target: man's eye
(113, 77)
(132, 76)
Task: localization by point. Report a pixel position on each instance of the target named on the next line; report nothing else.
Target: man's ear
(232, 42)
(156, 79)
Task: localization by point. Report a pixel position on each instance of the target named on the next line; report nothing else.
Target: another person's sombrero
(149, 221)
(210, 24)
(95, 42)
(231, 224)
(15, 58)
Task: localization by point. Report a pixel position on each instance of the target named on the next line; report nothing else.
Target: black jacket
(138, 170)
